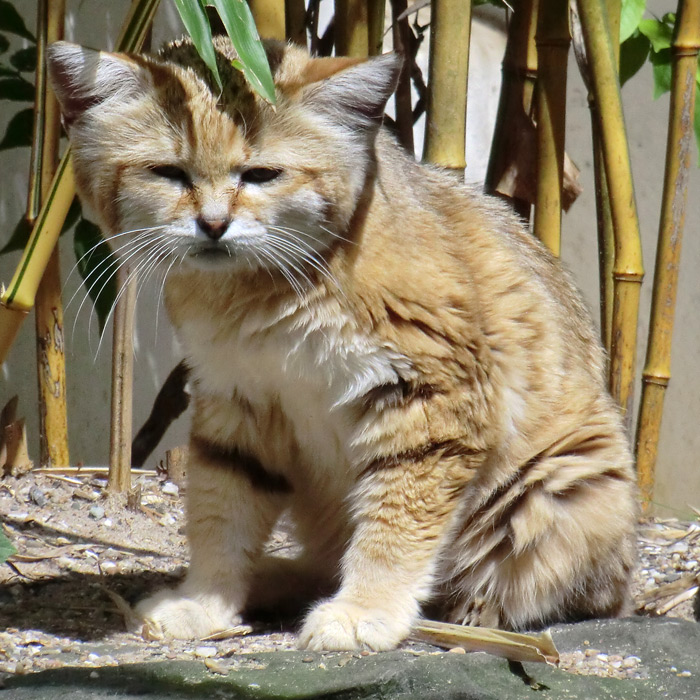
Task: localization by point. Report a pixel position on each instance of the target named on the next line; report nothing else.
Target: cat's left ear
(354, 93)
(83, 78)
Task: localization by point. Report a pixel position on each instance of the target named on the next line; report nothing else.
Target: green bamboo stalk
(628, 270)
(51, 361)
(18, 298)
(657, 369)
(351, 28)
(552, 40)
(515, 101)
(269, 18)
(446, 114)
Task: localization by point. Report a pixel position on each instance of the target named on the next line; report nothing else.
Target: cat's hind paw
(339, 625)
(172, 614)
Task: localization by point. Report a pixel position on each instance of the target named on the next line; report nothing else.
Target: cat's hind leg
(232, 504)
(555, 542)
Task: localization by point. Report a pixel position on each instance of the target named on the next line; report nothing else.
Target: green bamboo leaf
(197, 25)
(19, 130)
(17, 89)
(659, 33)
(24, 60)
(630, 15)
(240, 26)
(6, 548)
(95, 257)
(662, 70)
(4, 43)
(633, 54)
(11, 21)
(20, 234)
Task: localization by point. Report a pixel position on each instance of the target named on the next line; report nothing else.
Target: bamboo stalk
(351, 28)
(18, 298)
(295, 21)
(51, 362)
(628, 270)
(552, 40)
(657, 369)
(375, 26)
(402, 97)
(515, 101)
(269, 16)
(446, 114)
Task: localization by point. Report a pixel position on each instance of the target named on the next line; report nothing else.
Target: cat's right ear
(83, 78)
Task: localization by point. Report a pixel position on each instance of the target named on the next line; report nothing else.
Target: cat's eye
(172, 172)
(258, 176)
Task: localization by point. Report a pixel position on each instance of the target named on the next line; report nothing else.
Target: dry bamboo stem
(657, 370)
(351, 28)
(628, 270)
(446, 114)
(269, 18)
(51, 363)
(122, 381)
(552, 40)
(295, 21)
(517, 88)
(402, 97)
(375, 26)
(606, 235)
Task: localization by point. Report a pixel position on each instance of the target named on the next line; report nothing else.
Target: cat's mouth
(214, 254)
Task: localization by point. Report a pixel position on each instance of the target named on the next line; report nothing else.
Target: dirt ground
(83, 558)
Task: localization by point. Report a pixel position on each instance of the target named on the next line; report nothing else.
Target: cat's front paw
(173, 614)
(339, 625)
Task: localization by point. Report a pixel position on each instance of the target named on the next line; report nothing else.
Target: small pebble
(170, 489)
(684, 674)
(205, 652)
(93, 657)
(307, 659)
(94, 674)
(37, 496)
(457, 650)
(97, 512)
(602, 657)
(107, 522)
(108, 567)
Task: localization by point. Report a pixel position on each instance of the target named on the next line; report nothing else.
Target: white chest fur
(310, 361)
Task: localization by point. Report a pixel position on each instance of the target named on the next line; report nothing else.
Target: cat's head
(220, 178)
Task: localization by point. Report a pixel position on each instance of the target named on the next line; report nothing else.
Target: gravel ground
(83, 558)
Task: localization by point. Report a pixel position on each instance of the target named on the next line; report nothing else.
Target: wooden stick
(351, 28)
(657, 370)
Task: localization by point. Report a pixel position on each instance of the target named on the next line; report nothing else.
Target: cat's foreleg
(232, 504)
(402, 515)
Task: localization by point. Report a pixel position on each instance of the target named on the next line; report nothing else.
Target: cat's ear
(83, 78)
(353, 91)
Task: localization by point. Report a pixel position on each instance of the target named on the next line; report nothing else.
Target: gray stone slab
(399, 675)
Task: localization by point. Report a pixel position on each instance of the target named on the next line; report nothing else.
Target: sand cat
(385, 355)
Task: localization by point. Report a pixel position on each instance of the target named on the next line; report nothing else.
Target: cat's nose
(213, 228)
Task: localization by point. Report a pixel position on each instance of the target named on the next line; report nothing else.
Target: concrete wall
(678, 484)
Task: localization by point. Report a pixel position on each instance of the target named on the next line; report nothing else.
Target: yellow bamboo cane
(351, 28)
(446, 114)
(657, 370)
(295, 21)
(18, 298)
(606, 235)
(375, 26)
(269, 16)
(552, 40)
(628, 270)
(515, 101)
(51, 365)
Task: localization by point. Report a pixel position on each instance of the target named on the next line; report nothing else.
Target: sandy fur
(420, 387)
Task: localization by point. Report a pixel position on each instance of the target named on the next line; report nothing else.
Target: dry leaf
(509, 645)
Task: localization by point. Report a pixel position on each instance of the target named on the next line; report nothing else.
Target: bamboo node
(660, 379)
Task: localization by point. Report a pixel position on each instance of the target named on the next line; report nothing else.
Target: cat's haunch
(386, 356)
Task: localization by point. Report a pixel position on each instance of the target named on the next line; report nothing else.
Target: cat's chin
(213, 258)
